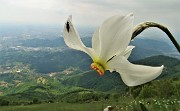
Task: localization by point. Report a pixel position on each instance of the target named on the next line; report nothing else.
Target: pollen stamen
(99, 68)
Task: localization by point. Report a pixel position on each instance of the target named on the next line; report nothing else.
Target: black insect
(67, 26)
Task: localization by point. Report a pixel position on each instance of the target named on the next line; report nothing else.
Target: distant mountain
(143, 47)
(147, 47)
(171, 65)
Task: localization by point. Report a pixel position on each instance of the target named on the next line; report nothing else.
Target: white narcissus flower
(110, 49)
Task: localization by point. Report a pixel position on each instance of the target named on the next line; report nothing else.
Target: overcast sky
(89, 12)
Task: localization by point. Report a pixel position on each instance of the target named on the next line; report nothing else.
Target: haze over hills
(51, 36)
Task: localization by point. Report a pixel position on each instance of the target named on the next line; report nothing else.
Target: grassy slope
(125, 103)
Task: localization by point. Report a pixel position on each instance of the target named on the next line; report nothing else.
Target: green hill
(29, 86)
(171, 65)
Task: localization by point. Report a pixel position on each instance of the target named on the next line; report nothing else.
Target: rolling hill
(29, 85)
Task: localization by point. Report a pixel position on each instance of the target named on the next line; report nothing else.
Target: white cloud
(89, 12)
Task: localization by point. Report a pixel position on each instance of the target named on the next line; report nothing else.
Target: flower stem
(141, 27)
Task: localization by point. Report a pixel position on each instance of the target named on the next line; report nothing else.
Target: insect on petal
(72, 38)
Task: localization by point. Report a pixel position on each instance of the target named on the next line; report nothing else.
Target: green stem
(141, 27)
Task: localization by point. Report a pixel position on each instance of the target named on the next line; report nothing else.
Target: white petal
(131, 74)
(72, 39)
(127, 52)
(115, 35)
(96, 42)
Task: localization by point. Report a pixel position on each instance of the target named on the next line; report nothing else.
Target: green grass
(122, 104)
(54, 107)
